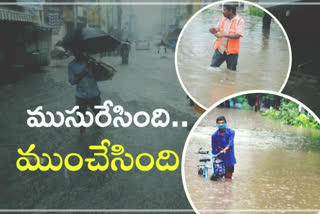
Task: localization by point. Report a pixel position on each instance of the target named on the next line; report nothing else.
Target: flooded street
(274, 170)
(263, 60)
(147, 83)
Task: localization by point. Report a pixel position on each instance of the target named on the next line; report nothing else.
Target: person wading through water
(223, 141)
(228, 31)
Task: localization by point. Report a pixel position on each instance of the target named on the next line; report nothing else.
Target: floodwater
(263, 60)
(274, 169)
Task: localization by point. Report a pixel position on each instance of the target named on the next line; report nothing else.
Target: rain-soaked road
(274, 169)
(263, 60)
(149, 82)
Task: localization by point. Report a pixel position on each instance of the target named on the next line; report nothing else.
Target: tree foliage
(289, 114)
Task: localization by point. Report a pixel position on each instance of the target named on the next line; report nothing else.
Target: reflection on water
(272, 170)
(263, 59)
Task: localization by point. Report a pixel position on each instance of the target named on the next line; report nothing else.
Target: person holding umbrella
(87, 91)
(81, 42)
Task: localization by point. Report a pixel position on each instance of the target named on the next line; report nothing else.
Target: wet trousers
(91, 102)
(218, 59)
(229, 171)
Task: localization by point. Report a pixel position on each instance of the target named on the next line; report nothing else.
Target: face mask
(223, 126)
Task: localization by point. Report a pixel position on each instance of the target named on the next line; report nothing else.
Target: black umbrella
(90, 40)
(94, 40)
(72, 39)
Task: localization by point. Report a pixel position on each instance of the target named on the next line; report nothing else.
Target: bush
(289, 114)
(241, 99)
(271, 113)
(254, 11)
(301, 120)
(245, 106)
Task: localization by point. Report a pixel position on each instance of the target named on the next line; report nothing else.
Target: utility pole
(75, 16)
(119, 20)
